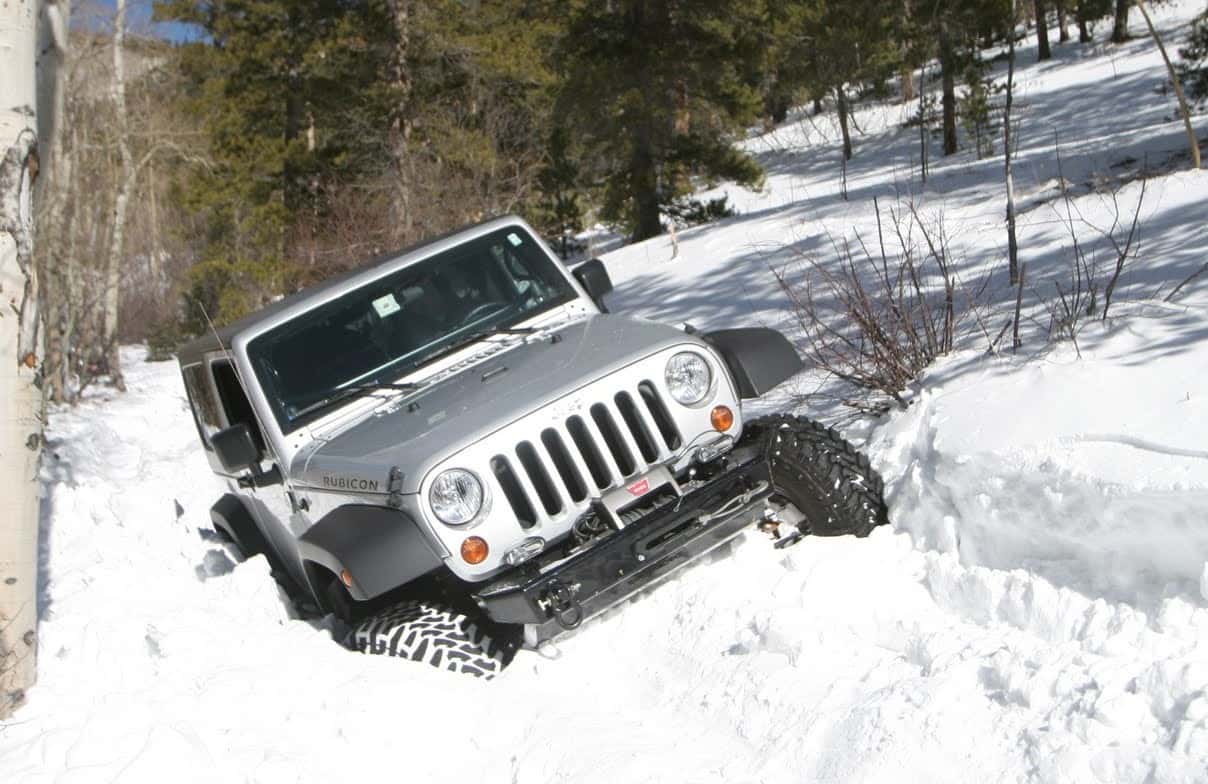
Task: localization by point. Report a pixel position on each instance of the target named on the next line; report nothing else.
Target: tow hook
(560, 602)
(770, 525)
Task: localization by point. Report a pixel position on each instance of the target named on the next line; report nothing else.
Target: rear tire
(438, 636)
(824, 476)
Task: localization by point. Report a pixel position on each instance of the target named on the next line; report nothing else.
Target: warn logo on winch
(639, 488)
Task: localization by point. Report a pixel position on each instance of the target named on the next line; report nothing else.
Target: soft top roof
(195, 350)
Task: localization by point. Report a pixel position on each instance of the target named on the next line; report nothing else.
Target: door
(272, 503)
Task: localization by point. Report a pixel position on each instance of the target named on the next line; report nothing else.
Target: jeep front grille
(559, 470)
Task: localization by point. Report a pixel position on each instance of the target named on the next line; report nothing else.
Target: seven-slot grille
(559, 471)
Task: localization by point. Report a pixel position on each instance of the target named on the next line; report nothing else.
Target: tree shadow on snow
(56, 470)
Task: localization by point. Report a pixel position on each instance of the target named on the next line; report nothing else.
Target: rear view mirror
(235, 448)
(594, 278)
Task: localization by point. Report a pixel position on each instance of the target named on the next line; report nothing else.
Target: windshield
(378, 332)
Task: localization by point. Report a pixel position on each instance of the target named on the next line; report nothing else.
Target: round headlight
(688, 378)
(456, 496)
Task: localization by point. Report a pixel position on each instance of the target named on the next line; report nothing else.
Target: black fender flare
(373, 549)
(230, 515)
(759, 358)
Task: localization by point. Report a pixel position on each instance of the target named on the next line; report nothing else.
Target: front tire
(825, 477)
(438, 636)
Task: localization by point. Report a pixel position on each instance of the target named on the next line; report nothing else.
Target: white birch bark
(20, 400)
(56, 181)
(125, 183)
(1192, 142)
(1012, 240)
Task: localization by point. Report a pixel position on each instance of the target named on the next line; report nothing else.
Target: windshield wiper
(339, 394)
(472, 337)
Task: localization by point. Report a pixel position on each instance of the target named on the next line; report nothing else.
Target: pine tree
(481, 108)
(1087, 12)
(952, 28)
(340, 129)
(285, 91)
(657, 91)
(1120, 21)
(778, 72)
(560, 210)
(830, 47)
(1042, 31)
(1194, 68)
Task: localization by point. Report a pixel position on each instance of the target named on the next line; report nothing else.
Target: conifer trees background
(267, 144)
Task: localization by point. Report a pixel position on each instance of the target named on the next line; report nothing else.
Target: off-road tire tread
(826, 477)
(427, 632)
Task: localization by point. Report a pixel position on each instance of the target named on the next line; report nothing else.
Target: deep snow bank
(1091, 472)
(901, 657)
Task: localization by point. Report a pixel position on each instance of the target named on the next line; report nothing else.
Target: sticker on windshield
(514, 238)
(386, 305)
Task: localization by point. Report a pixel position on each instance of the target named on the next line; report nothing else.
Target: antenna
(257, 472)
(214, 331)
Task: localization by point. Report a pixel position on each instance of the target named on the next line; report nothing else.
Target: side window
(235, 405)
(203, 402)
(520, 272)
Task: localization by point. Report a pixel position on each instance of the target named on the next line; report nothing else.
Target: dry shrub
(1087, 294)
(877, 321)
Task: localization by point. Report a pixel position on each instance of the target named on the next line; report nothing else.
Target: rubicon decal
(350, 483)
(639, 488)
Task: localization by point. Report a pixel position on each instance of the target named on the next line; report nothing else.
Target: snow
(1038, 610)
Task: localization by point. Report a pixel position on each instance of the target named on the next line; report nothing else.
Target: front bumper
(557, 598)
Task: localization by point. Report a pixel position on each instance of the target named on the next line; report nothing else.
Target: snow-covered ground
(1037, 612)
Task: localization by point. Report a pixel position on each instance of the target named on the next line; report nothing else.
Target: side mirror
(593, 277)
(236, 449)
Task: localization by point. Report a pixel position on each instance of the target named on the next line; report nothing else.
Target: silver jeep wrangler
(456, 449)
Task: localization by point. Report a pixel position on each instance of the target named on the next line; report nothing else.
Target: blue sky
(98, 14)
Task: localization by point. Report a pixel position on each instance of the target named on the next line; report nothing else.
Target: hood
(418, 431)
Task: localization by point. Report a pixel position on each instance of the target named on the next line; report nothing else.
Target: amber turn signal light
(474, 550)
(722, 418)
(346, 577)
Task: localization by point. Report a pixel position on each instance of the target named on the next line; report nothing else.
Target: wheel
(426, 632)
(831, 483)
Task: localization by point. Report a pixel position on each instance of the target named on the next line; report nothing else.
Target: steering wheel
(480, 311)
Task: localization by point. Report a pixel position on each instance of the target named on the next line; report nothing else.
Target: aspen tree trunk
(20, 399)
(1192, 142)
(55, 197)
(156, 265)
(121, 200)
(73, 309)
(923, 122)
(1012, 243)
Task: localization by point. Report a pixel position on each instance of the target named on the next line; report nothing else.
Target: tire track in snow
(1136, 443)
